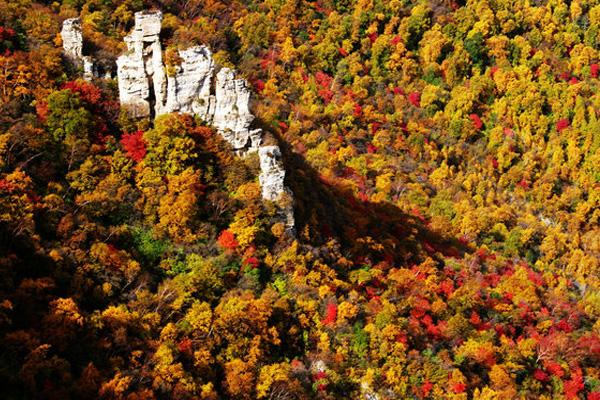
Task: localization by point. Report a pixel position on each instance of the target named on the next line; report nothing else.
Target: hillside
(292, 200)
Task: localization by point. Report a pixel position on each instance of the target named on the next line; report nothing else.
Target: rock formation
(189, 88)
(142, 78)
(198, 87)
(232, 116)
(272, 173)
(272, 181)
(72, 38)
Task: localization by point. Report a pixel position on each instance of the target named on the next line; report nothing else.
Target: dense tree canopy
(445, 163)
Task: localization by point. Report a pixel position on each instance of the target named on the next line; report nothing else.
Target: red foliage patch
(417, 213)
(323, 79)
(373, 36)
(320, 375)
(523, 183)
(134, 145)
(564, 326)
(252, 262)
(420, 307)
(590, 342)
(458, 387)
(88, 92)
(185, 345)
(297, 364)
(326, 95)
(594, 69)
(415, 99)
(259, 85)
(562, 124)
(375, 127)
(6, 33)
(227, 240)
(477, 124)
(265, 63)
(330, 314)
(426, 388)
(574, 385)
(555, 369)
(446, 287)
(540, 375)
(6, 186)
(41, 108)
(508, 132)
(536, 278)
(343, 52)
(475, 319)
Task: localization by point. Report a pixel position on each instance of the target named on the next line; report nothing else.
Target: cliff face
(271, 178)
(195, 86)
(72, 38)
(142, 78)
(189, 88)
(232, 112)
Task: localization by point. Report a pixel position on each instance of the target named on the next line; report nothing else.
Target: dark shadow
(324, 210)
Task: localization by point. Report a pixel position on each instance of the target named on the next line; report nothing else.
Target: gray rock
(72, 38)
(272, 173)
(189, 90)
(89, 68)
(232, 116)
(141, 73)
(272, 182)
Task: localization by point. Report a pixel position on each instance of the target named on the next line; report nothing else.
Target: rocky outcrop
(218, 98)
(272, 173)
(232, 116)
(72, 38)
(89, 68)
(189, 88)
(197, 86)
(142, 78)
(272, 182)
(193, 86)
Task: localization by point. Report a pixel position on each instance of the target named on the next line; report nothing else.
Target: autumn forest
(292, 199)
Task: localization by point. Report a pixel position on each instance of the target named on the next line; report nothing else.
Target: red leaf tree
(134, 145)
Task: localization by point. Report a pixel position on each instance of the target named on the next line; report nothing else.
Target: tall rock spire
(142, 78)
(72, 38)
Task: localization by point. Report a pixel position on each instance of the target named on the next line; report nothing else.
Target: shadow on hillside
(324, 210)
